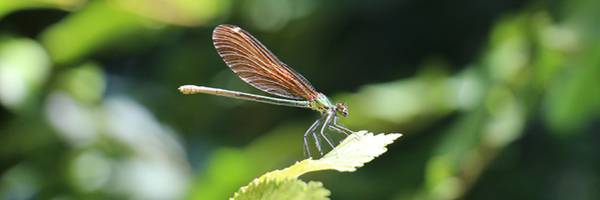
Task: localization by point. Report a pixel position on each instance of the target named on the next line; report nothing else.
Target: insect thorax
(321, 103)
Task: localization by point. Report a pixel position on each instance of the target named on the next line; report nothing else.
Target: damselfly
(257, 66)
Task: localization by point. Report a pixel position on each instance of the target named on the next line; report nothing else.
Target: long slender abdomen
(193, 89)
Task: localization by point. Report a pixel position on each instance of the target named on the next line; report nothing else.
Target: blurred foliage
(497, 99)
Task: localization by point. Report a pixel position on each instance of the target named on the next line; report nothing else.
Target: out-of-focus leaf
(555, 43)
(275, 14)
(24, 67)
(103, 23)
(179, 12)
(430, 95)
(91, 170)
(474, 140)
(85, 83)
(217, 181)
(8, 6)
(227, 169)
(509, 49)
(20, 182)
(96, 25)
(574, 98)
(72, 120)
(471, 144)
(292, 189)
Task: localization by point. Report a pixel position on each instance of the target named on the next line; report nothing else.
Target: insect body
(257, 66)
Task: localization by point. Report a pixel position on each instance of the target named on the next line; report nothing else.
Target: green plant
(352, 153)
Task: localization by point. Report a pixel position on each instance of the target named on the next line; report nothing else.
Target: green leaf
(24, 68)
(8, 6)
(97, 25)
(352, 153)
(282, 189)
(188, 12)
(356, 150)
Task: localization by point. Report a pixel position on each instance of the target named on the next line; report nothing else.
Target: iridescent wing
(257, 66)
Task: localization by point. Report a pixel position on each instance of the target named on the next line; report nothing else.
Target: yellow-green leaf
(291, 189)
(352, 153)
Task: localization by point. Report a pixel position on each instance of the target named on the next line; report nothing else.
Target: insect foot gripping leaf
(356, 150)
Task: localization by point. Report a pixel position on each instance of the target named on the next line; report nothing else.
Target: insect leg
(340, 128)
(327, 123)
(317, 141)
(336, 129)
(308, 131)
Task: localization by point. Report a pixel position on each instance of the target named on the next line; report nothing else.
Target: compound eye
(342, 109)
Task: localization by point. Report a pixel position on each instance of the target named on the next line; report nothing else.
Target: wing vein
(257, 66)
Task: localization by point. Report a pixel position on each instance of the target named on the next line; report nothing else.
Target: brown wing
(257, 66)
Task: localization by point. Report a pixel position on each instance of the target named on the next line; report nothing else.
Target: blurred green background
(497, 99)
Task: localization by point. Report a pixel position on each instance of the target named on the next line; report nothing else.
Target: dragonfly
(251, 61)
